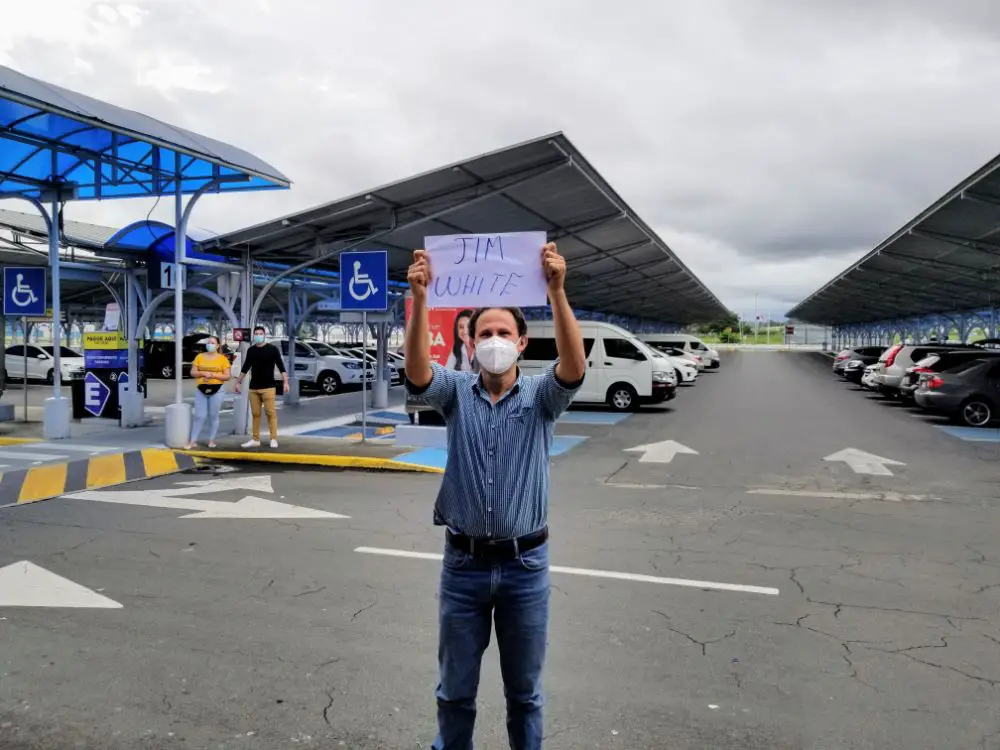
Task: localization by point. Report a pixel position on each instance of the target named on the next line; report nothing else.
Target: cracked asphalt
(271, 634)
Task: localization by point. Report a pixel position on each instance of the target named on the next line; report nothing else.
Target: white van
(686, 343)
(621, 371)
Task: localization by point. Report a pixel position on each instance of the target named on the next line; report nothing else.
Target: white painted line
(895, 497)
(36, 456)
(639, 577)
(629, 486)
(88, 448)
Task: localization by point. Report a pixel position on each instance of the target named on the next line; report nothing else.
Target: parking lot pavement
(689, 610)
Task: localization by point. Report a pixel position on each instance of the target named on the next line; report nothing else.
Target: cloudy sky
(769, 142)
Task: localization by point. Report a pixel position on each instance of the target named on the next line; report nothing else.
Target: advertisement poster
(450, 342)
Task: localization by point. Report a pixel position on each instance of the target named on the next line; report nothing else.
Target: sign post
(364, 288)
(24, 329)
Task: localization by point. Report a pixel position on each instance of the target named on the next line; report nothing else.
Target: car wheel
(50, 378)
(622, 397)
(167, 372)
(976, 412)
(329, 383)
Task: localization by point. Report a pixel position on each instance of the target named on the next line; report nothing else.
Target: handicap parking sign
(364, 281)
(24, 291)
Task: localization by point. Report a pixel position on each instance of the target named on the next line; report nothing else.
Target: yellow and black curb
(105, 470)
(368, 463)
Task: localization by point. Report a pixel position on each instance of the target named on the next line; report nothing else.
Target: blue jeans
(516, 594)
(206, 406)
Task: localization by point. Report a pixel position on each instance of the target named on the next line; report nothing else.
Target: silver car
(894, 362)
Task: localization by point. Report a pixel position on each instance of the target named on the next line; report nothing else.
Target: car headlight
(352, 365)
(661, 377)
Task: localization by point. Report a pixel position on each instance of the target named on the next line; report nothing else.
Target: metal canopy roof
(103, 245)
(105, 151)
(616, 262)
(947, 259)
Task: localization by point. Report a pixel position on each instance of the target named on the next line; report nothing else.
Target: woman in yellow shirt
(211, 369)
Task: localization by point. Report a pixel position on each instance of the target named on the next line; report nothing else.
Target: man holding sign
(493, 498)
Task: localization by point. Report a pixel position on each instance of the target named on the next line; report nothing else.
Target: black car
(159, 355)
(867, 355)
(939, 362)
(969, 393)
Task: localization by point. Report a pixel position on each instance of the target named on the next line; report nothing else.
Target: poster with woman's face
(450, 340)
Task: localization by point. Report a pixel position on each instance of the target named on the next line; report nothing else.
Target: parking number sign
(171, 275)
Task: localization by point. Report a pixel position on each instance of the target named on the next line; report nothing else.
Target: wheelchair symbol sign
(24, 291)
(364, 278)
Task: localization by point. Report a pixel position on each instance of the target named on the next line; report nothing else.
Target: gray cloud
(771, 142)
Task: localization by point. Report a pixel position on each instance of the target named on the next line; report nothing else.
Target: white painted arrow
(25, 584)
(662, 452)
(248, 507)
(260, 483)
(864, 463)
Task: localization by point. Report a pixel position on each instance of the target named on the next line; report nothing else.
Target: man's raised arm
(569, 343)
(416, 347)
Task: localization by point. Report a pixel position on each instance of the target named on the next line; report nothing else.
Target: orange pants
(263, 399)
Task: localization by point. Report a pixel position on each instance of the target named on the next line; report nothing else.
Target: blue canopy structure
(148, 235)
(51, 135)
(57, 145)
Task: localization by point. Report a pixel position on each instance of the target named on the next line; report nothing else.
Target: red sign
(448, 334)
(241, 334)
(789, 330)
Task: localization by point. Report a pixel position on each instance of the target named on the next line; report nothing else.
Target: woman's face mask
(210, 348)
(496, 354)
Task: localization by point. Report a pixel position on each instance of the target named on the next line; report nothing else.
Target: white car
(318, 364)
(41, 363)
(686, 370)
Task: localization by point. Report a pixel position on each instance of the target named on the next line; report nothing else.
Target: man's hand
(554, 266)
(419, 274)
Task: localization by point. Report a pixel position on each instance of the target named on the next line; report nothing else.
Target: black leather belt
(497, 549)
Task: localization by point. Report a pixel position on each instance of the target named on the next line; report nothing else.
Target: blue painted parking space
(438, 457)
(351, 431)
(973, 434)
(592, 417)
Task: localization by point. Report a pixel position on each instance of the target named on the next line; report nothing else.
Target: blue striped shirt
(496, 480)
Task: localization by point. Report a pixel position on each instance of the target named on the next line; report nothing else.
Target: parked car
(867, 355)
(938, 362)
(159, 355)
(686, 342)
(696, 360)
(868, 378)
(895, 360)
(41, 363)
(319, 366)
(854, 370)
(969, 393)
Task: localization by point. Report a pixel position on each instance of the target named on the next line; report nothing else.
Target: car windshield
(64, 351)
(324, 350)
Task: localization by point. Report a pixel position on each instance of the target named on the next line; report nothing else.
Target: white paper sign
(483, 270)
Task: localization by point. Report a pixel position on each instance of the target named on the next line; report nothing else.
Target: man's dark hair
(522, 324)
(259, 328)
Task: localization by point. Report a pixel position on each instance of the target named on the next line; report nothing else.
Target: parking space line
(637, 577)
(895, 497)
(36, 456)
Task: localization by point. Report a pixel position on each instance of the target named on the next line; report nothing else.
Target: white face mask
(496, 354)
